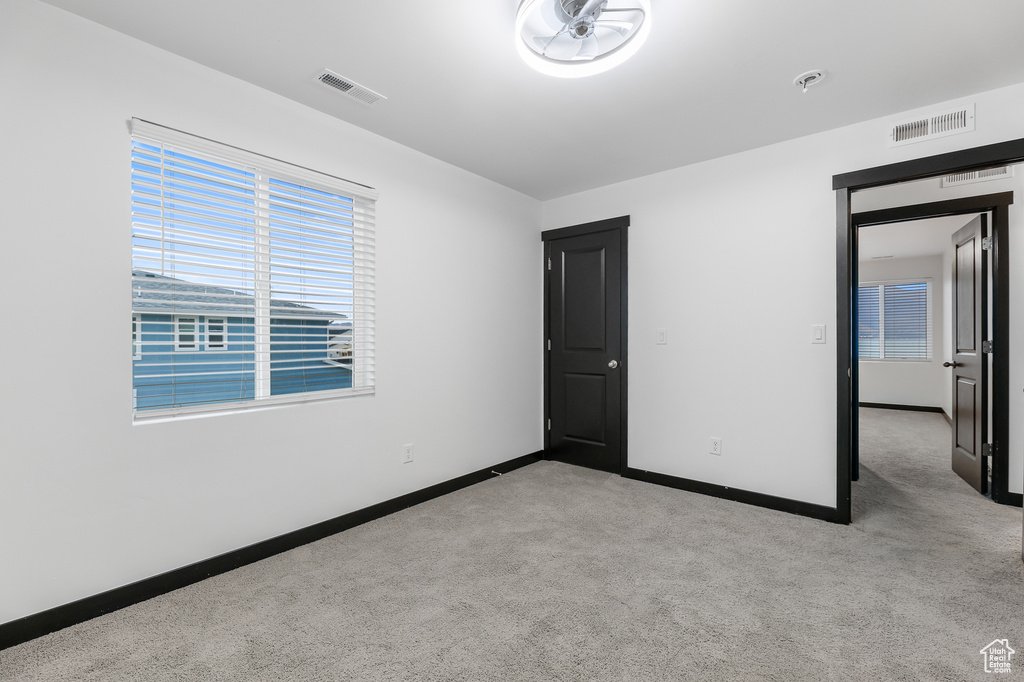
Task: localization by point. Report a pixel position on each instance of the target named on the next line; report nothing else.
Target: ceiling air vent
(942, 124)
(977, 176)
(349, 87)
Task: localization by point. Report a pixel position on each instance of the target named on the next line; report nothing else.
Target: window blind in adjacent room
(907, 333)
(893, 321)
(868, 332)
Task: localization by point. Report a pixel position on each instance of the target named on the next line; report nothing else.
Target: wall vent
(349, 87)
(983, 175)
(941, 124)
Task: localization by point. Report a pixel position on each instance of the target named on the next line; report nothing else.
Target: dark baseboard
(814, 511)
(911, 408)
(43, 623)
(1011, 499)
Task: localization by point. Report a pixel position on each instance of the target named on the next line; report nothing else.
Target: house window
(216, 333)
(894, 320)
(136, 338)
(186, 333)
(281, 256)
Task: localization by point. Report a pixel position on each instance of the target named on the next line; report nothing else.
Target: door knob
(950, 364)
(613, 363)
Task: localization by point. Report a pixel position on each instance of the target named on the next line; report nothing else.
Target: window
(136, 338)
(216, 333)
(894, 320)
(254, 278)
(186, 333)
(339, 346)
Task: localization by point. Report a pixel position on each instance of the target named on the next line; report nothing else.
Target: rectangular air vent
(977, 176)
(941, 124)
(349, 87)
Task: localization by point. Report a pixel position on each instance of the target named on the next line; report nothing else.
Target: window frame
(197, 338)
(929, 343)
(136, 336)
(223, 345)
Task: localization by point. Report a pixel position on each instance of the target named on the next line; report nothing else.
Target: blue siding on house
(165, 377)
(298, 372)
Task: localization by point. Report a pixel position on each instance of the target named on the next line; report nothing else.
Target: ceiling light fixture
(809, 78)
(572, 38)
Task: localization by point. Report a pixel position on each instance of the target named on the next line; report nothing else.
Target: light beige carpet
(559, 573)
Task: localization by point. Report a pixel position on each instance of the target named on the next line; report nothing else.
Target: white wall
(87, 501)
(736, 257)
(918, 383)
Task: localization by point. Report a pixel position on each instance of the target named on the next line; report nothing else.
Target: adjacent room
(921, 306)
(538, 339)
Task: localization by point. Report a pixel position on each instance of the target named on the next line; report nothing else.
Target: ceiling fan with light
(571, 38)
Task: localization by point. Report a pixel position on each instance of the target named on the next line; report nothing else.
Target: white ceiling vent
(941, 124)
(349, 87)
(977, 176)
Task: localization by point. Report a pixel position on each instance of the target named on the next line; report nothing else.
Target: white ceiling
(930, 237)
(714, 78)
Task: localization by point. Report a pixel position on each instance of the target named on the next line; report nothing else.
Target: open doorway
(921, 310)
(904, 304)
(974, 413)
(894, 190)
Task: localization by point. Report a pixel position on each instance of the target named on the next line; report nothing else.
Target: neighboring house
(195, 344)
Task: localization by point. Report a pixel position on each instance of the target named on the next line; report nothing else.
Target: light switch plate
(662, 336)
(817, 333)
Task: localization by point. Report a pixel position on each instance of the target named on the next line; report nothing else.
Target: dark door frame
(621, 224)
(999, 154)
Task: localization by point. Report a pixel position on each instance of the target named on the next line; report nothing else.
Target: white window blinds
(252, 279)
(868, 330)
(893, 321)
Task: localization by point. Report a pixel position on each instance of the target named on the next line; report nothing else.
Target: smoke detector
(809, 78)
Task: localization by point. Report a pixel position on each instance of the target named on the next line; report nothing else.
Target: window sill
(173, 414)
(889, 361)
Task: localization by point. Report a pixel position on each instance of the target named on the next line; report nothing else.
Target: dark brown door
(586, 360)
(970, 375)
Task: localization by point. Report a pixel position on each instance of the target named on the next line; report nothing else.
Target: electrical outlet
(716, 445)
(407, 453)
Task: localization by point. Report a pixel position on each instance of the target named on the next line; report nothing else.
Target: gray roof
(152, 293)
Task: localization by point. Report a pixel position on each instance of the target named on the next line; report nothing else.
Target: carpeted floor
(560, 573)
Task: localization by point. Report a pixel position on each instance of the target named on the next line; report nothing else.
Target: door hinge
(549, 425)
(986, 243)
(988, 449)
(549, 263)
(986, 346)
